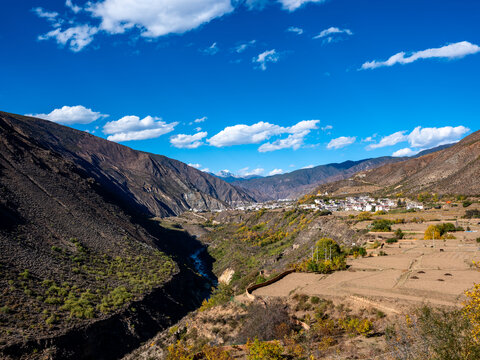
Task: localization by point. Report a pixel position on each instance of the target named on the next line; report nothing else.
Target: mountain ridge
(153, 184)
(453, 170)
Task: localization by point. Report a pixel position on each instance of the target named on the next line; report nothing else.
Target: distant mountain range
(455, 169)
(230, 177)
(297, 183)
(300, 182)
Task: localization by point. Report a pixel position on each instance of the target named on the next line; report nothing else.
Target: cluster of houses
(360, 203)
(279, 204)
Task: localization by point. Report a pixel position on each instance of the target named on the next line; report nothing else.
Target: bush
(399, 234)
(266, 323)
(115, 299)
(433, 335)
(472, 214)
(81, 307)
(382, 225)
(391, 240)
(356, 326)
(364, 215)
(221, 295)
(258, 350)
(466, 203)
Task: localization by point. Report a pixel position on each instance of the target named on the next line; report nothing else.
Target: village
(323, 203)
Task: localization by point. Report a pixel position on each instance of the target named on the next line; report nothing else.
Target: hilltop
(454, 170)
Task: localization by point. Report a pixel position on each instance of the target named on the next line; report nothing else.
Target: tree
(432, 232)
(326, 248)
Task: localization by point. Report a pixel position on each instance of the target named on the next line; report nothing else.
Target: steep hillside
(300, 182)
(454, 170)
(74, 257)
(153, 184)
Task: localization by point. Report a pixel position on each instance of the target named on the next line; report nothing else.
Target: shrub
(364, 215)
(179, 351)
(221, 295)
(433, 335)
(382, 225)
(81, 307)
(472, 214)
(258, 350)
(113, 300)
(265, 323)
(356, 326)
(467, 203)
(399, 234)
(5, 310)
(391, 240)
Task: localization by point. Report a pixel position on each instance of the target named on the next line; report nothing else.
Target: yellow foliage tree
(432, 232)
(471, 310)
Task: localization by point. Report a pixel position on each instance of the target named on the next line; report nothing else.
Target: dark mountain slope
(151, 183)
(300, 182)
(74, 256)
(454, 170)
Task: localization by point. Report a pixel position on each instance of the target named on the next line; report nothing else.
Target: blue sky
(274, 85)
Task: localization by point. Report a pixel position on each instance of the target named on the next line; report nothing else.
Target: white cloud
(247, 172)
(451, 51)
(261, 131)
(183, 141)
(294, 141)
(75, 37)
(266, 57)
(292, 5)
(370, 138)
(242, 47)
(157, 17)
(275, 172)
(341, 142)
(75, 8)
(49, 15)
(132, 128)
(308, 167)
(196, 166)
(198, 129)
(211, 50)
(327, 127)
(332, 31)
(432, 137)
(71, 115)
(202, 119)
(389, 140)
(295, 30)
(405, 152)
(245, 134)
